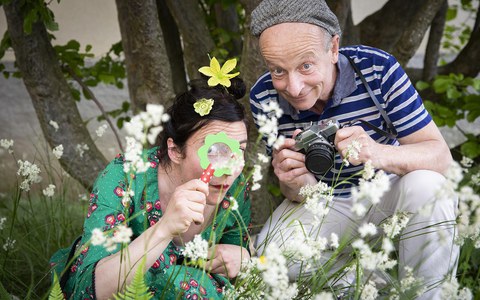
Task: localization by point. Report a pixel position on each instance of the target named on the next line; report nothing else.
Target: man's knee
(425, 190)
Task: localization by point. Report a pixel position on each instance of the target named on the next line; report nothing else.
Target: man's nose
(294, 85)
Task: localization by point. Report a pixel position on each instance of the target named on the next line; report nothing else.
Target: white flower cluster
(100, 131)
(233, 203)
(304, 248)
(2, 222)
(256, 177)
(7, 145)
(408, 284)
(451, 291)
(142, 128)
(81, 148)
(58, 151)
(9, 244)
(317, 199)
(394, 225)
(54, 125)
(30, 173)
(121, 235)
(273, 268)
(268, 123)
(353, 149)
(49, 191)
(369, 291)
(369, 192)
(370, 260)
(196, 249)
(468, 221)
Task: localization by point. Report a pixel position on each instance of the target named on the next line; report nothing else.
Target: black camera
(316, 142)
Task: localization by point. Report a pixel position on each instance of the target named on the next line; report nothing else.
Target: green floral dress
(168, 277)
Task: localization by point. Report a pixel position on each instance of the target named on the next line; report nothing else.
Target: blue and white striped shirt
(351, 101)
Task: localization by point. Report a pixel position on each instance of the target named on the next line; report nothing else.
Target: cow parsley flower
(30, 173)
(196, 249)
(256, 177)
(49, 191)
(367, 229)
(54, 125)
(9, 244)
(122, 234)
(2, 222)
(395, 224)
(58, 151)
(101, 130)
(7, 145)
(98, 237)
(81, 148)
(353, 150)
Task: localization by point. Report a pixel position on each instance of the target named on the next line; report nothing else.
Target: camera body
(316, 142)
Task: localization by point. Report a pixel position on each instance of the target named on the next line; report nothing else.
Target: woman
(169, 206)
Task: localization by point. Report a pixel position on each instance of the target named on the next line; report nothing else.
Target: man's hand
(289, 166)
(356, 134)
(226, 260)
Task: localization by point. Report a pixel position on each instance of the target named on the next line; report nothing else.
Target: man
(312, 79)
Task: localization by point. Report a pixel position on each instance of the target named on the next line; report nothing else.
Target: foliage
(455, 36)
(56, 292)
(137, 289)
(462, 93)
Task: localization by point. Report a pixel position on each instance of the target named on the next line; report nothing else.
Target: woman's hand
(226, 259)
(186, 205)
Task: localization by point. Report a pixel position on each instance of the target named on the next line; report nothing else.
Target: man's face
(301, 62)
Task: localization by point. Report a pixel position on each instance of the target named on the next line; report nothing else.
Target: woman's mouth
(220, 186)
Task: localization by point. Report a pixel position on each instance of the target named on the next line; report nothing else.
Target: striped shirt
(350, 101)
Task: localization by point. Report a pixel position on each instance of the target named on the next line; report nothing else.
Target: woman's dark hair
(184, 121)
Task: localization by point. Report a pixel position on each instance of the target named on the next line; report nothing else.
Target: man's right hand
(289, 166)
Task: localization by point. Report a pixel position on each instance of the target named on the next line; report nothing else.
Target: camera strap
(391, 132)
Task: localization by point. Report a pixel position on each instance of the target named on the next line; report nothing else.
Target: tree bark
(434, 42)
(51, 96)
(149, 80)
(413, 34)
(251, 67)
(227, 19)
(173, 46)
(381, 29)
(197, 42)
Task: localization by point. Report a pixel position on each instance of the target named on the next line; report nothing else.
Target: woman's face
(190, 168)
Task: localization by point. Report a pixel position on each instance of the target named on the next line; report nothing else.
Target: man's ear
(335, 48)
(173, 152)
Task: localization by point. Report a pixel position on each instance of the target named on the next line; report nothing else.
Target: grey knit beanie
(272, 12)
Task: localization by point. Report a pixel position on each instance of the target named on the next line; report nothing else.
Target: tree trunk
(343, 10)
(381, 29)
(413, 34)
(51, 96)
(434, 42)
(173, 46)
(146, 60)
(227, 19)
(467, 60)
(197, 42)
(251, 67)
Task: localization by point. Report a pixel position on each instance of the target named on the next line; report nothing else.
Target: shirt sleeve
(403, 103)
(104, 213)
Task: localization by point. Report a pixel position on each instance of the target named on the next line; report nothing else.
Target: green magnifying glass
(218, 156)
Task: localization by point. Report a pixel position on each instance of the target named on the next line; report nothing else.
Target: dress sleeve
(106, 210)
(239, 232)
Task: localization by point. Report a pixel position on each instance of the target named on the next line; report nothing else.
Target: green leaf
(137, 289)
(422, 85)
(470, 149)
(441, 84)
(451, 13)
(56, 291)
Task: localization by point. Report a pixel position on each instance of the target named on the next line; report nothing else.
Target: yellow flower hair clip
(219, 75)
(203, 106)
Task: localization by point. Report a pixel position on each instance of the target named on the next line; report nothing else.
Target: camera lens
(319, 158)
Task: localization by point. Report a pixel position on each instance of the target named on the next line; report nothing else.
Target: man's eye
(277, 71)
(306, 66)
